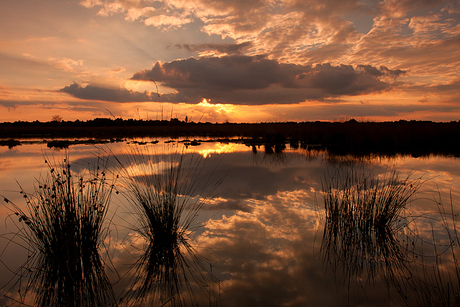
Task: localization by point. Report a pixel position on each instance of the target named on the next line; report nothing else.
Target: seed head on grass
(63, 227)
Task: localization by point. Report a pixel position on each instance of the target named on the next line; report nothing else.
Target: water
(261, 229)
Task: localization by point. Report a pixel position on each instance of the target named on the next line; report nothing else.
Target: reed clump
(63, 227)
(363, 219)
(164, 201)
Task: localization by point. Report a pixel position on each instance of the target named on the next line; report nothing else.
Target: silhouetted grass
(169, 270)
(363, 216)
(365, 227)
(63, 227)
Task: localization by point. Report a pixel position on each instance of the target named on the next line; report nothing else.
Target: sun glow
(221, 148)
(218, 107)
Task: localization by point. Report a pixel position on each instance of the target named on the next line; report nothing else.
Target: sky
(230, 60)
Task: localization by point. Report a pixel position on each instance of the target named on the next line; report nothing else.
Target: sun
(217, 107)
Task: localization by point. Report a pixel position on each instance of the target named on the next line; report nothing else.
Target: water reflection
(364, 221)
(370, 234)
(169, 270)
(261, 228)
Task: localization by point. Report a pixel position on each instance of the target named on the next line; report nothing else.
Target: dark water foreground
(223, 225)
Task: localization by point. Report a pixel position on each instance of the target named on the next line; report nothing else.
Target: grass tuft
(363, 219)
(164, 200)
(63, 227)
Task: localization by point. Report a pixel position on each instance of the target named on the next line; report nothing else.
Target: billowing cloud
(278, 28)
(411, 35)
(400, 57)
(94, 92)
(258, 80)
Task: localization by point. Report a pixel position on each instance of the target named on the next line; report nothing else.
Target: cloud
(401, 8)
(221, 204)
(94, 92)
(66, 64)
(419, 36)
(163, 17)
(382, 71)
(167, 21)
(305, 32)
(447, 88)
(277, 28)
(90, 3)
(222, 49)
(116, 71)
(4, 92)
(438, 57)
(268, 257)
(258, 80)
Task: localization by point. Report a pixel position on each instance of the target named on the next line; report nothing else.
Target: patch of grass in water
(63, 227)
(169, 270)
(363, 216)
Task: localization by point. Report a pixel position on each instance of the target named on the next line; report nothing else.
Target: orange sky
(253, 61)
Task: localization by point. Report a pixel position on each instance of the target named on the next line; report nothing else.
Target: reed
(363, 219)
(163, 199)
(63, 227)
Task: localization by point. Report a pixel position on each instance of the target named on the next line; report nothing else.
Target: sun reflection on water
(261, 225)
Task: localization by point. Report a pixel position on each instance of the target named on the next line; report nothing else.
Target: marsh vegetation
(370, 233)
(363, 215)
(154, 226)
(160, 193)
(63, 230)
(418, 138)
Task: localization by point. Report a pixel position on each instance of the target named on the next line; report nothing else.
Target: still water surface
(261, 228)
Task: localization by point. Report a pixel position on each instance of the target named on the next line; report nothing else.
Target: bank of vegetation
(351, 137)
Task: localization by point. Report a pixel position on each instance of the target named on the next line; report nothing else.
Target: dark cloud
(382, 71)
(11, 103)
(93, 92)
(452, 87)
(7, 103)
(229, 49)
(227, 205)
(257, 80)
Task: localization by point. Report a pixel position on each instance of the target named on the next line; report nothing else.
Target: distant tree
(56, 118)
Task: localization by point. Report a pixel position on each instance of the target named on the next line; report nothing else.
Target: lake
(274, 226)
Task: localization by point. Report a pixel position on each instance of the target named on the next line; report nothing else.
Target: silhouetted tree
(56, 118)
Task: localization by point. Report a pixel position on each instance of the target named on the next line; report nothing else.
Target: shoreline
(417, 138)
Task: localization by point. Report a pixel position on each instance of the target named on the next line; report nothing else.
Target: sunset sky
(230, 60)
